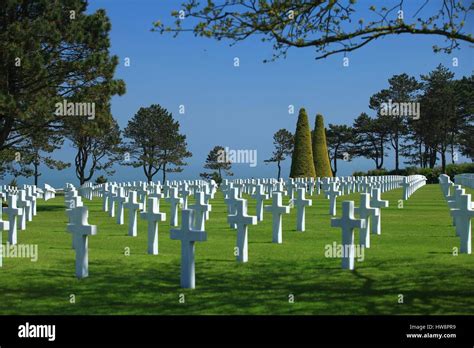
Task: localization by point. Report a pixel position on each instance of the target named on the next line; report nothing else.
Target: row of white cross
(46, 193)
(412, 183)
(193, 219)
(466, 179)
(20, 210)
(461, 209)
(144, 198)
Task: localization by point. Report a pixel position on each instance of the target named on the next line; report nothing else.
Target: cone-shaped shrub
(320, 149)
(302, 164)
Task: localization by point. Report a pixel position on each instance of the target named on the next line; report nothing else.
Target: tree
(445, 122)
(464, 90)
(155, 142)
(50, 50)
(100, 180)
(34, 152)
(438, 110)
(322, 164)
(97, 145)
(417, 149)
(329, 27)
(466, 142)
(302, 164)
(371, 136)
(218, 161)
(284, 143)
(394, 105)
(340, 139)
(174, 150)
(11, 162)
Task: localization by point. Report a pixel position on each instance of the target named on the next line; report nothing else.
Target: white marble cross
(81, 230)
(317, 186)
(4, 226)
(25, 204)
(188, 236)
(301, 203)
(111, 193)
(463, 214)
(377, 202)
(454, 199)
(231, 201)
(133, 206)
(199, 209)
(347, 223)
(208, 195)
(242, 220)
(279, 187)
(121, 200)
(184, 192)
(156, 192)
(365, 212)
(142, 193)
(105, 197)
(277, 209)
(72, 202)
(13, 211)
(153, 215)
(49, 192)
(406, 187)
(174, 201)
(332, 193)
(445, 183)
(32, 195)
(260, 196)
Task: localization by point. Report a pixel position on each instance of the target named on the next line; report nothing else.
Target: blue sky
(242, 107)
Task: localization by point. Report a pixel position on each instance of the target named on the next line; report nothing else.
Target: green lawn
(412, 257)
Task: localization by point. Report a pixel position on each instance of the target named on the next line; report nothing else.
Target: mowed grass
(412, 257)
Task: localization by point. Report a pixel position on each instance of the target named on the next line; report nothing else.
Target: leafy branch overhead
(328, 26)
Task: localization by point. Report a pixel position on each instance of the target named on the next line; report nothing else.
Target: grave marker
(188, 237)
(133, 206)
(347, 223)
(81, 230)
(277, 209)
(301, 203)
(242, 220)
(153, 215)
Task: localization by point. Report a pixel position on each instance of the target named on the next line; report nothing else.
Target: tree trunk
(443, 161)
(420, 154)
(80, 167)
(432, 158)
(452, 153)
(395, 145)
(36, 173)
(164, 173)
(334, 169)
(279, 170)
(380, 164)
(397, 160)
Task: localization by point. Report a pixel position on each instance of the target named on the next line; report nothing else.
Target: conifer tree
(302, 160)
(320, 149)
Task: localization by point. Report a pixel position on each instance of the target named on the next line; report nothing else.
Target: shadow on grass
(221, 288)
(55, 207)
